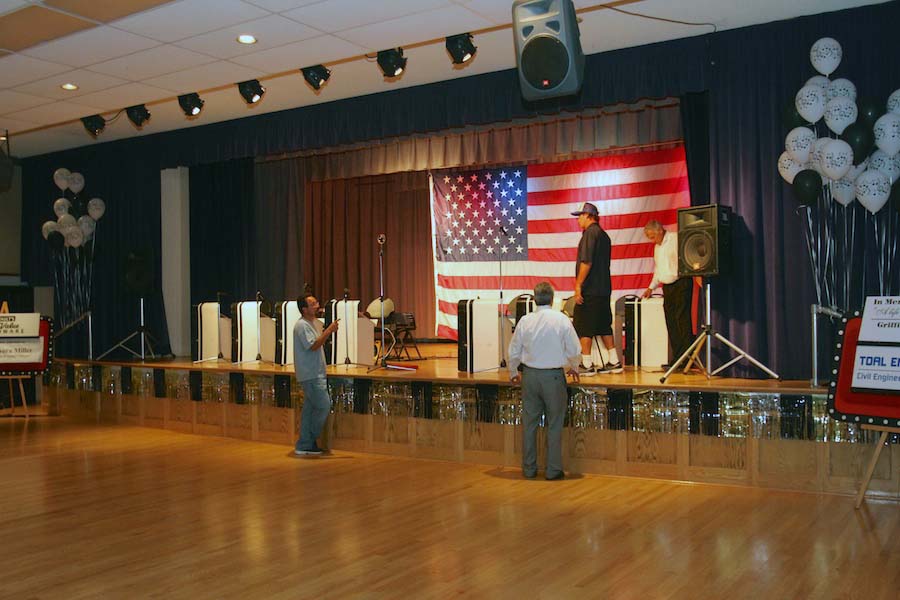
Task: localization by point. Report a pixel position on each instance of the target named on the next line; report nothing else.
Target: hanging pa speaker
(704, 240)
(548, 48)
(139, 277)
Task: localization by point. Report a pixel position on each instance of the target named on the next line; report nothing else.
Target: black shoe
(314, 451)
(612, 368)
(556, 477)
(584, 371)
(529, 475)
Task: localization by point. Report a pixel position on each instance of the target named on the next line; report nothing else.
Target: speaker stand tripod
(141, 332)
(691, 356)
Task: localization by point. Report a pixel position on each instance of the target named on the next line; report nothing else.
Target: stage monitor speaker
(704, 240)
(548, 48)
(139, 274)
(6, 171)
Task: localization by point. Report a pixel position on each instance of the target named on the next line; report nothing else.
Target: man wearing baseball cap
(593, 288)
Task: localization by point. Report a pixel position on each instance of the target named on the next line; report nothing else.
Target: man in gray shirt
(546, 345)
(309, 366)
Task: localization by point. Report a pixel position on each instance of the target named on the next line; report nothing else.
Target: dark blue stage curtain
(223, 232)
(750, 75)
(130, 186)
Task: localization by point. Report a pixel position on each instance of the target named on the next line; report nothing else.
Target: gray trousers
(543, 392)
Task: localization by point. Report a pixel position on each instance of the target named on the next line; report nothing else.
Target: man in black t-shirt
(593, 288)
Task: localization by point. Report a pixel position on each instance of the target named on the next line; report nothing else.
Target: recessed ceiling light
(69, 87)
(246, 38)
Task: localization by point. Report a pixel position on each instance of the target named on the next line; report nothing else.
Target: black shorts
(594, 317)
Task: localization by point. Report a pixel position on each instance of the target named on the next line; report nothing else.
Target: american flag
(519, 216)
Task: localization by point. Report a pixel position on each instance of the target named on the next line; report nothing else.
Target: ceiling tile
(11, 101)
(416, 28)
(300, 54)
(57, 112)
(16, 69)
(86, 81)
(187, 18)
(202, 77)
(89, 47)
(104, 10)
(281, 5)
(123, 96)
(499, 13)
(11, 5)
(337, 15)
(269, 31)
(33, 24)
(16, 125)
(152, 63)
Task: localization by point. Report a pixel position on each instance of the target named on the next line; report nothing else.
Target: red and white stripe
(628, 189)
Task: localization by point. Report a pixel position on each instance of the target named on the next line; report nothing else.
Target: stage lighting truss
(391, 62)
(138, 115)
(191, 104)
(251, 91)
(461, 48)
(316, 76)
(94, 124)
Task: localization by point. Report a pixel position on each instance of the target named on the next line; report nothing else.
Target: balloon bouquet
(854, 156)
(72, 238)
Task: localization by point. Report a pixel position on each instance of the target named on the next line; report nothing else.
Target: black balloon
(56, 240)
(869, 111)
(791, 118)
(861, 140)
(807, 186)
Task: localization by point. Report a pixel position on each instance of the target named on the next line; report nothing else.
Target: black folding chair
(404, 326)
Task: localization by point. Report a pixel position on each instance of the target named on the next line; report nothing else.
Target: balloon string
(813, 257)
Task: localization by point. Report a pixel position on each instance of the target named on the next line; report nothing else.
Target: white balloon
(61, 178)
(66, 220)
(61, 206)
(886, 164)
(74, 237)
(819, 80)
(887, 133)
(893, 103)
(87, 226)
(826, 55)
(815, 156)
(837, 158)
(843, 191)
(788, 167)
(873, 190)
(857, 170)
(810, 103)
(799, 143)
(49, 227)
(76, 182)
(840, 113)
(841, 88)
(96, 208)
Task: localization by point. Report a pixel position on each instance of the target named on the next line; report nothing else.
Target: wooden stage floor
(439, 365)
(94, 511)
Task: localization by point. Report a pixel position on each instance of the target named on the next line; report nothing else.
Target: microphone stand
(381, 359)
(258, 319)
(502, 308)
(346, 328)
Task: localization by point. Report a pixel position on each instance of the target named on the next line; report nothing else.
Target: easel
(4, 309)
(882, 441)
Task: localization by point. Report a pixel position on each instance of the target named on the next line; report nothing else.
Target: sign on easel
(25, 347)
(876, 363)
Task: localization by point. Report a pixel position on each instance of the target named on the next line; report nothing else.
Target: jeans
(316, 406)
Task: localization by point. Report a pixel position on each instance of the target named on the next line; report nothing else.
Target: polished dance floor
(93, 511)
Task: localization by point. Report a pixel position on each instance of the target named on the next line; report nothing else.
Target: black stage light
(251, 91)
(461, 48)
(191, 104)
(316, 76)
(94, 124)
(392, 62)
(138, 115)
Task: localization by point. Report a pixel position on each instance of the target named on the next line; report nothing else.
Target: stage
(757, 433)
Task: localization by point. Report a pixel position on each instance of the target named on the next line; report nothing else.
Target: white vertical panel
(176, 257)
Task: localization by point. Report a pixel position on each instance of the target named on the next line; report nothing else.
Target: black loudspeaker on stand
(704, 250)
(139, 280)
(548, 48)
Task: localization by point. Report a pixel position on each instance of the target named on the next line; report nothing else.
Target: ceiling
(126, 52)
